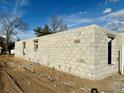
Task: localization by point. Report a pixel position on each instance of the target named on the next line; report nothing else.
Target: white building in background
(1, 50)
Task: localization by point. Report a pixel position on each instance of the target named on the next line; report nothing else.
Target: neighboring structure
(12, 52)
(2, 44)
(89, 52)
(1, 50)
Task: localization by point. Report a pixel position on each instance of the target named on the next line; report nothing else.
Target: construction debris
(84, 89)
(29, 83)
(51, 78)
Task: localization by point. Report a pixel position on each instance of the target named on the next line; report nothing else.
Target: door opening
(24, 46)
(110, 50)
(122, 61)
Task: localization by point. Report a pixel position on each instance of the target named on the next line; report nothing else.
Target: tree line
(10, 26)
(57, 25)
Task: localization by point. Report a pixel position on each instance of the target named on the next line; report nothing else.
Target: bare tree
(10, 26)
(58, 25)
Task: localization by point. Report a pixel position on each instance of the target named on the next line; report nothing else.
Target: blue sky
(75, 13)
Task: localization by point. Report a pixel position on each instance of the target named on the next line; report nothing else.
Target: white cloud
(84, 12)
(24, 2)
(80, 12)
(112, 20)
(111, 1)
(14, 7)
(75, 19)
(107, 10)
(17, 9)
(5, 2)
(79, 21)
(119, 15)
(115, 26)
(115, 21)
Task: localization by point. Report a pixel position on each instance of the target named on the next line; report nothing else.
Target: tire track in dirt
(35, 86)
(11, 84)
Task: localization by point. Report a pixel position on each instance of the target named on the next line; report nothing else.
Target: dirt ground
(21, 76)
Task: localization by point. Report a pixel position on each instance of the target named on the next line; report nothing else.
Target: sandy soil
(21, 76)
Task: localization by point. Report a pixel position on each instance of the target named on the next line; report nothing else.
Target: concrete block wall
(102, 68)
(81, 52)
(69, 51)
(101, 58)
